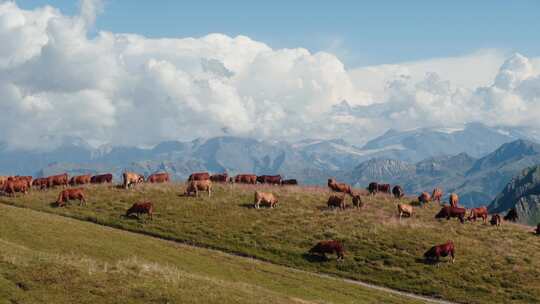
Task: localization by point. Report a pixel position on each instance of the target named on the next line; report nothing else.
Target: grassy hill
(49, 259)
(493, 265)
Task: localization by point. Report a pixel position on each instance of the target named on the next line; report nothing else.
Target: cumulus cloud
(126, 89)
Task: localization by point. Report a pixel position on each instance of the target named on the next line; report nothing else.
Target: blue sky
(358, 32)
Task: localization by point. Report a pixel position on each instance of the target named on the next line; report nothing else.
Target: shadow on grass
(315, 258)
(247, 205)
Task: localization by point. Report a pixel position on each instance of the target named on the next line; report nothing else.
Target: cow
(71, 194)
(289, 182)
(80, 180)
(339, 187)
(404, 209)
(397, 191)
(512, 215)
(436, 195)
(11, 187)
(158, 178)
(41, 183)
(357, 201)
(265, 197)
(198, 176)
(454, 200)
(219, 178)
(449, 212)
(102, 179)
(444, 250)
(246, 179)
(337, 201)
(195, 186)
(383, 188)
(478, 212)
(57, 180)
(373, 187)
(495, 220)
(26, 179)
(131, 178)
(424, 198)
(141, 208)
(328, 247)
(269, 179)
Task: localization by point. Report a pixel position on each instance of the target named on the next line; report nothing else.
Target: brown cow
(26, 179)
(512, 215)
(265, 197)
(424, 198)
(102, 179)
(373, 187)
(397, 191)
(449, 212)
(479, 212)
(158, 178)
(495, 220)
(246, 179)
(444, 250)
(357, 201)
(437, 195)
(269, 179)
(131, 178)
(383, 188)
(71, 194)
(57, 180)
(219, 178)
(289, 182)
(199, 176)
(11, 187)
(80, 180)
(199, 185)
(454, 200)
(339, 187)
(141, 208)
(404, 209)
(337, 201)
(41, 183)
(330, 247)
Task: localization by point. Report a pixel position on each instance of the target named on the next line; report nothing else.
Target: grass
(493, 265)
(50, 259)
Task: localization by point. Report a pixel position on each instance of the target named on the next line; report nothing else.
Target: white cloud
(127, 89)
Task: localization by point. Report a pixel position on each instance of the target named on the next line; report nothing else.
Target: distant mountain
(523, 193)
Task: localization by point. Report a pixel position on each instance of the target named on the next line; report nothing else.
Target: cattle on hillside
(289, 182)
(11, 187)
(453, 200)
(436, 195)
(373, 187)
(383, 188)
(196, 186)
(131, 178)
(339, 187)
(245, 179)
(438, 251)
(57, 180)
(269, 179)
(450, 212)
(398, 192)
(357, 201)
(71, 194)
(80, 180)
(336, 201)
(424, 198)
(141, 208)
(480, 212)
(512, 215)
(266, 198)
(102, 179)
(404, 209)
(158, 178)
(495, 220)
(41, 183)
(219, 178)
(328, 247)
(199, 176)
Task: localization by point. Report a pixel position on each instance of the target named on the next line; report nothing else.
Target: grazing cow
(336, 201)
(11, 187)
(269, 179)
(41, 183)
(383, 188)
(158, 178)
(195, 186)
(339, 187)
(454, 200)
(219, 178)
(424, 198)
(512, 215)
(80, 180)
(373, 187)
(495, 220)
(199, 176)
(131, 178)
(246, 179)
(102, 179)
(71, 194)
(57, 180)
(449, 212)
(265, 197)
(329, 247)
(478, 212)
(397, 191)
(404, 209)
(141, 208)
(289, 182)
(437, 195)
(357, 201)
(538, 229)
(444, 250)
(26, 179)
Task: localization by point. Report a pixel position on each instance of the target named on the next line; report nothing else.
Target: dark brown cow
(269, 179)
(289, 182)
(383, 188)
(80, 180)
(141, 208)
(199, 176)
(329, 247)
(424, 198)
(339, 187)
(57, 180)
(373, 187)
(357, 201)
(41, 183)
(454, 200)
(495, 220)
(102, 179)
(246, 179)
(512, 215)
(131, 178)
(336, 201)
(436, 195)
(158, 178)
(481, 212)
(444, 250)
(26, 179)
(11, 187)
(449, 212)
(219, 178)
(71, 194)
(397, 191)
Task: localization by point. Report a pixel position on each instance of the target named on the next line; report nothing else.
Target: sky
(138, 73)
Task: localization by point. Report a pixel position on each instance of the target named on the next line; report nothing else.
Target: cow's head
(442, 214)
